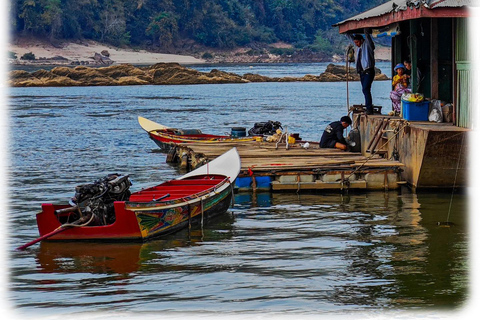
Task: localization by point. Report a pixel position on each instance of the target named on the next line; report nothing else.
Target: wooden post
(413, 54)
(434, 57)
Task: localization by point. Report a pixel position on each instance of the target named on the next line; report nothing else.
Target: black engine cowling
(265, 128)
(97, 198)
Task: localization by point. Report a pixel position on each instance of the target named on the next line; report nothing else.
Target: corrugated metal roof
(449, 3)
(402, 5)
(390, 6)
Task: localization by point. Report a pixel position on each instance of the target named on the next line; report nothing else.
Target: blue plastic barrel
(243, 182)
(263, 182)
(239, 132)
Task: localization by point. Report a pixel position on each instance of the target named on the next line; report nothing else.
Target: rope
(201, 206)
(233, 194)
(455, 179)
(448, 138)
(348, 71)
(68, 225)
(298, 183)
(374, 152)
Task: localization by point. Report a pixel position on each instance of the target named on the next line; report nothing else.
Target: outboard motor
(265, 128)
(97, 198)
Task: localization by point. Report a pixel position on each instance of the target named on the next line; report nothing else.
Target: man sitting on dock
(333, 135)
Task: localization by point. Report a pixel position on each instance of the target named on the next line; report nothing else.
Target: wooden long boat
(165, 136)
(163, 209)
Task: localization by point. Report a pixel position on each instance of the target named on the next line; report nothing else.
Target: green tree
(112, 24)
(163, 29)
(30, 13)
(169, 23)
(52, 18)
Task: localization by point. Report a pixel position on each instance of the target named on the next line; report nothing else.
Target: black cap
(346, 119)
(358, 37)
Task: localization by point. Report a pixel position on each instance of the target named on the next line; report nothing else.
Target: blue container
(415, 111)
(263, 182)
(243, 182)
(239, 132)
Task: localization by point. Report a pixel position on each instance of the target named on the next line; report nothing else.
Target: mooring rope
(233, 194)
(374, 152)
(68, 225)
(201, 221)
(455, 179)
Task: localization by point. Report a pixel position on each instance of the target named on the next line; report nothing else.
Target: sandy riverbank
(85, 51)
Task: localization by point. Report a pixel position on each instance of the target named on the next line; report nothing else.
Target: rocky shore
(158, 74)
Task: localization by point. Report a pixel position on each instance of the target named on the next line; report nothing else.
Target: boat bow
(228, 165)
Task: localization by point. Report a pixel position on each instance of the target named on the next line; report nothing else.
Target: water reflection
(279, 252)
(393, 251)
(84, 257)
(123, 257)
(271, 252)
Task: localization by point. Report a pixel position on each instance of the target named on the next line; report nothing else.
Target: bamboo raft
(267, 166)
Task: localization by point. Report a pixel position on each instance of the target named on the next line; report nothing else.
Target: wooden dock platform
(266, 167)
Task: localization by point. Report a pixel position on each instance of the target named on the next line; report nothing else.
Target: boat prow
(149, 125)
(228, 165)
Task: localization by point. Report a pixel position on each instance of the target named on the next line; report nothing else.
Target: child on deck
(400, 86)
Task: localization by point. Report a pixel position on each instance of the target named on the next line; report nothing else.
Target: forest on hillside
(169, 25)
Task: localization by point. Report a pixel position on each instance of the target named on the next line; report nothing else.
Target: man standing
(365, 64)
(332, 137)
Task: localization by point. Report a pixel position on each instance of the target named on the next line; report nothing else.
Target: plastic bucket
(239, 132)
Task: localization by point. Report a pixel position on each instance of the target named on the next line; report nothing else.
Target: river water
(281, 253)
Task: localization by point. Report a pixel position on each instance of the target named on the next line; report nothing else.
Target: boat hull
(163, 221)
(139, 221)
(166, 141)
(165, 137)
(156, 211)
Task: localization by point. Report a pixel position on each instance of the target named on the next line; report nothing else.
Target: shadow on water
(123, 257)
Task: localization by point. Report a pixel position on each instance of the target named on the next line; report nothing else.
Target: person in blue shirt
(332, 137)
(365, 65)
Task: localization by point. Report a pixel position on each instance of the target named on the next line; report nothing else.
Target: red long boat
(163, 209)
(165, 136)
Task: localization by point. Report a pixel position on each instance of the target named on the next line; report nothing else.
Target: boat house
(433, 35)
(394, 149)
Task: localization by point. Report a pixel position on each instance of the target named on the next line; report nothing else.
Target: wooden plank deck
(260, 156)
(314, 168)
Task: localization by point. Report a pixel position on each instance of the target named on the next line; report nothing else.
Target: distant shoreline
(71, 54)
(84, 53)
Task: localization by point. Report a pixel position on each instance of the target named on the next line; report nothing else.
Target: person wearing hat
(365, 64)
(332, 137)
(400, 86)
